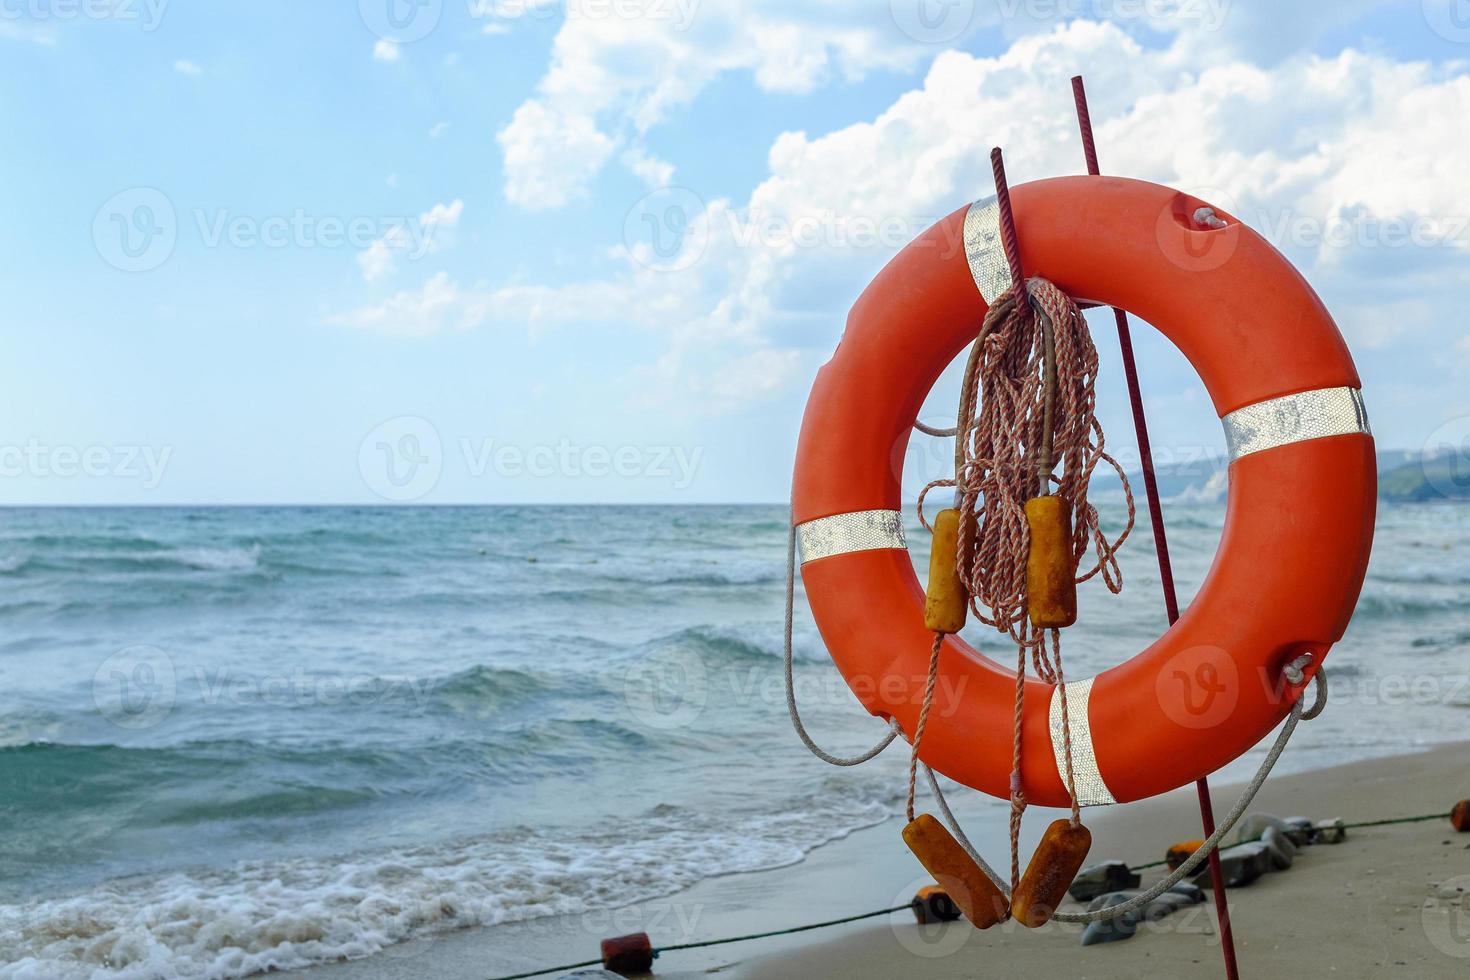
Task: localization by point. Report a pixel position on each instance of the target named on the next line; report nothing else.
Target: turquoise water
(237, 738)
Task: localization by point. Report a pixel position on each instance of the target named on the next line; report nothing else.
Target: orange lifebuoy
(1299, 519)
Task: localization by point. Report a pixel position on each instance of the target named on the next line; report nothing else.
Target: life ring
(1299, 518)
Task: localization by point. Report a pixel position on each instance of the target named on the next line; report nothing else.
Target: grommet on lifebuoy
(1298, 526)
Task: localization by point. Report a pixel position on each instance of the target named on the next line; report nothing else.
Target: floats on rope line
(933, 905)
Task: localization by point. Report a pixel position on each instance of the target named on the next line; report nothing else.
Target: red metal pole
(1007, 218)
(1161, 544)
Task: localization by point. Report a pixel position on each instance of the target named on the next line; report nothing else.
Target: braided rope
(1018, 794)
(787, 656)
(1027, 404)
(1298, 713)
(1066, 729)
(1247, 797)
(933, 430)
(923, 718)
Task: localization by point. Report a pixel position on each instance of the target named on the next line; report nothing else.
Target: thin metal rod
(1012, 249)
(1007, 219)
(1161, 543)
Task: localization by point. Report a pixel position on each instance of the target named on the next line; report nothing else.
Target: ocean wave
(213, 559)
(1454, 639)
(735, 644)
(58, 779)
(1380, 603)
(586, 596)
(88, 541)
(495, 686)
(655, 575)
(527, 634)
(49, 782)
(133, 561)
(255, 917)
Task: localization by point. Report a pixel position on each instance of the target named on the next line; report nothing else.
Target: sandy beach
(1382, 904)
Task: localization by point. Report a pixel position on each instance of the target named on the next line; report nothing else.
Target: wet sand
(1382, 904)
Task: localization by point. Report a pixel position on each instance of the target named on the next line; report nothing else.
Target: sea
(237, 739)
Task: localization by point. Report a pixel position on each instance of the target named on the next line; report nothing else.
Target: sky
(468, 251)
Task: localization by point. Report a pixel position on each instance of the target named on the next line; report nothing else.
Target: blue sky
(312, 252)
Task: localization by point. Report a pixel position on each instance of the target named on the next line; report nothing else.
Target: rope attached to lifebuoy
(1027, 427)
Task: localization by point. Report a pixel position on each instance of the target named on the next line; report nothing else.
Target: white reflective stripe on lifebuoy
(983, 249)
(1295, 418)
(841, 534)
(1086, 777)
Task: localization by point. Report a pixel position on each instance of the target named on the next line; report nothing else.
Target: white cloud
(612, 77)
(412, 240)
(648, 168)
(619, 69)
(386, 50)
(442, 216)
(437, 306)
(186, 67)
(551, 156)
(377, 261)
(1323, 154)
(438, 130)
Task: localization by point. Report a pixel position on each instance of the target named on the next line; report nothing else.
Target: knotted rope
(923, 720)
(1028, 409)
(1032, 375)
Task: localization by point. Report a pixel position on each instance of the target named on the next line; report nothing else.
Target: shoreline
(1340, 907)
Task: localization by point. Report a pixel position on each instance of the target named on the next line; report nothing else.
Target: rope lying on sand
(889, 911)
(720, 942)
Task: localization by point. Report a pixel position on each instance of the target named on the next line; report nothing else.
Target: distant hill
(1442, 477)
(1403, 476)
(1202, 480)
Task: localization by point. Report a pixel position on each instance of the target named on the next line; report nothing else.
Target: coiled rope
(801, 732)
(1028, 405)
(1027, 409)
